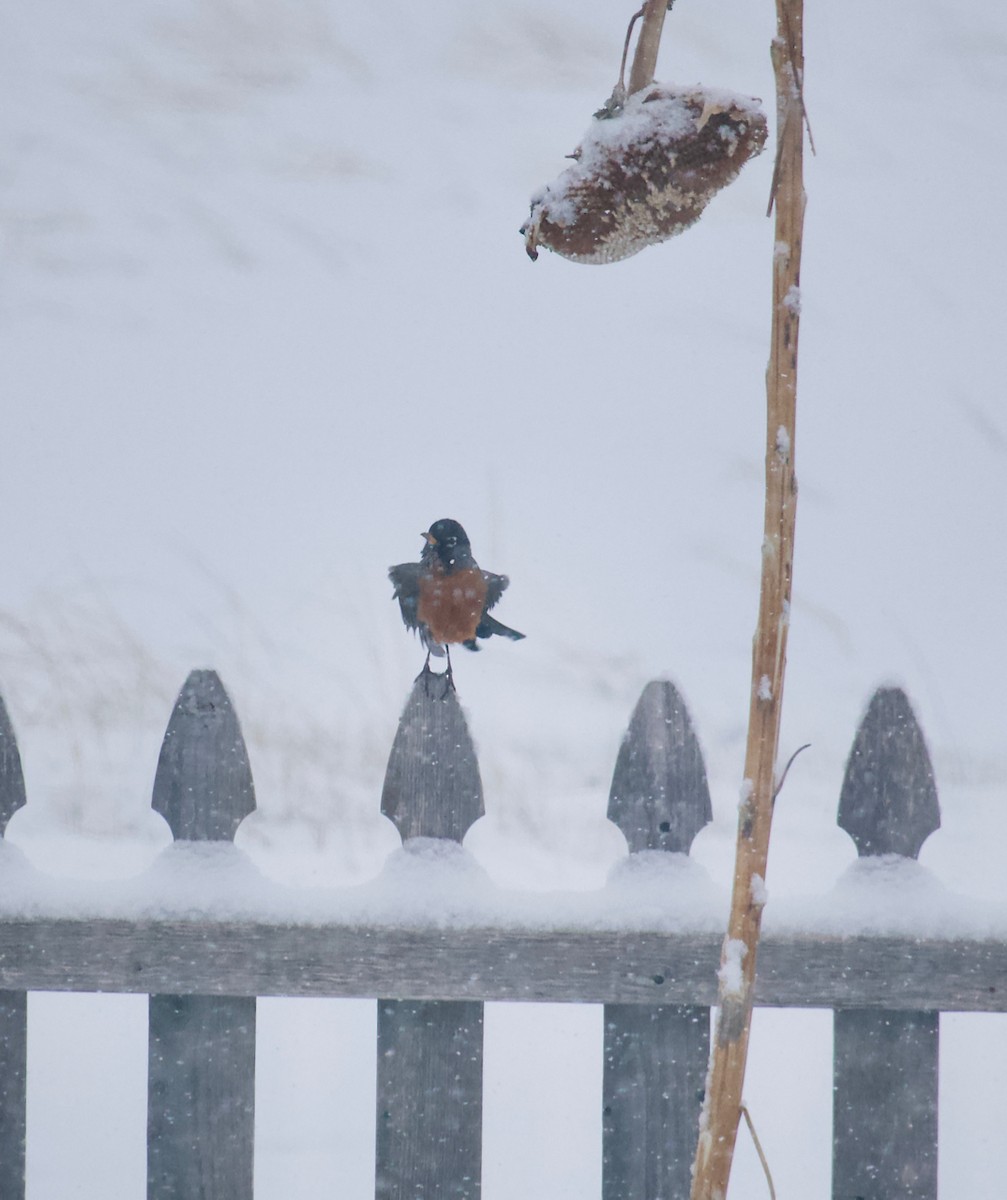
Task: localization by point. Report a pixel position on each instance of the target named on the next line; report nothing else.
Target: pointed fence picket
(13, 1004)
(201, 1049)
(888, 805)
(430, 1052)
(655, 1056)
(203, 974)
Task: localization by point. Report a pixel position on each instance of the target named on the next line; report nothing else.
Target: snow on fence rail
(203, 964)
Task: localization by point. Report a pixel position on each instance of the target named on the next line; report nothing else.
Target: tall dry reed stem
(729, 1051)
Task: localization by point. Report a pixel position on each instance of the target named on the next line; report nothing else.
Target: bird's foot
(446, 678)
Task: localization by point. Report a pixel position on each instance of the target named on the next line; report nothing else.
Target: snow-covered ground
(265, 314)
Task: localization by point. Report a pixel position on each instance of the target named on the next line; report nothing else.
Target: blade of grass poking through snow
(722, 1106)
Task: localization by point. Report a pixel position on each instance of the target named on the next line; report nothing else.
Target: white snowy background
(265, 315)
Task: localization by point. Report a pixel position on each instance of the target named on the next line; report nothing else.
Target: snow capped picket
(644, 172)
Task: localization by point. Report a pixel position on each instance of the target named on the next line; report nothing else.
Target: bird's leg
(425, 674)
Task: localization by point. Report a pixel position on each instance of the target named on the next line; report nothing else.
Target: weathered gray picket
(655, 1058)
(13, 1004)
(201, 1049)
(430, 1053)
(885, 1063)
(203, 974)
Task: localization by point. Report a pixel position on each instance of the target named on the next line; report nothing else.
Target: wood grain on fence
(201, 1049)
(655, 1057)
(885, 1063)
(430, 1054)
(13, 1004)
(209, 955)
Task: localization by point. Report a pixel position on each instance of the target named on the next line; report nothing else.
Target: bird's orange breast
(451, 606)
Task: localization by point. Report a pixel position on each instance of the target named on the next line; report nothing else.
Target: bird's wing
(406, 582)
(496, 585)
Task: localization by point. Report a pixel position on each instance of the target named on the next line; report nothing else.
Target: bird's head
(447, 541)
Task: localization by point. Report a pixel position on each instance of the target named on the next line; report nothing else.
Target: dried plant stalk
(722, 1106)
(645, 60)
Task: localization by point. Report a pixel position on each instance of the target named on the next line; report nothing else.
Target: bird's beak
(431, 540)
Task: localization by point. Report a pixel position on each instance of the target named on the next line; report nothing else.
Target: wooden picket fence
(203, 973)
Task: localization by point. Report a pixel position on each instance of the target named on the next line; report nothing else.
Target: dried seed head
(645, 173)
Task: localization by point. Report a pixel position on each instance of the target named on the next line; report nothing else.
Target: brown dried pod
(645, 173)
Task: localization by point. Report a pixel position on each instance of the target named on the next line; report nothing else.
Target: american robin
(446, 596)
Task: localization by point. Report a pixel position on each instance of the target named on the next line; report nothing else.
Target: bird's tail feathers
(490, 625)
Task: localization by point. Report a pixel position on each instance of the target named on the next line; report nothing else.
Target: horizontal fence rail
(431, 976)
(237, 958)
